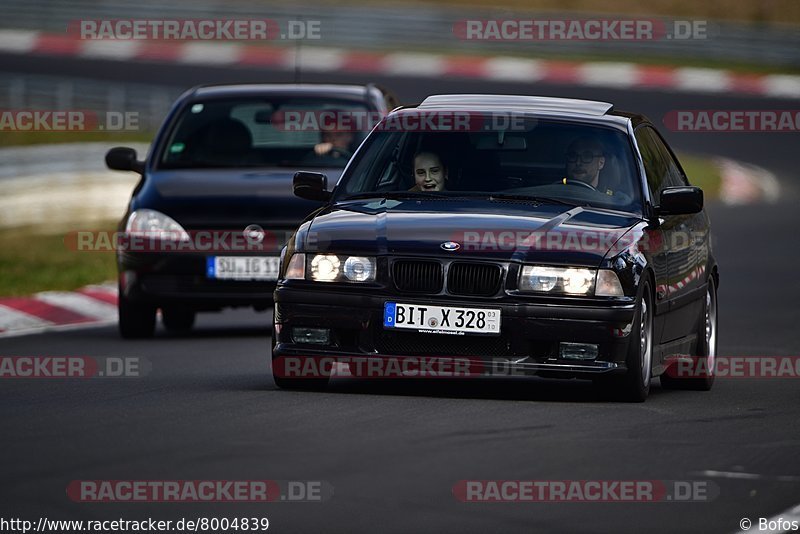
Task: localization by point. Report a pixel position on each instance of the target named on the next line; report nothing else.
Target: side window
(653, 163)
(661, 169)
(381, 172)
(675, 175)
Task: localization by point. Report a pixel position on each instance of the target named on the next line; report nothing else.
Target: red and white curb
(58, 310)
(318, 59)
(744, 184)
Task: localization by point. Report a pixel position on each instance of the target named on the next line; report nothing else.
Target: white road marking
(18, 40)
(54, 327)
(110, 49)
(317, 59)
(78, 303)
(11, 319)
(513, 69)
(704, 80)
(610, 74)
(782, 85)
(210, 53)
(414, 64)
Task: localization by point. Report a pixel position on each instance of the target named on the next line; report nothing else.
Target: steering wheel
(582, 184)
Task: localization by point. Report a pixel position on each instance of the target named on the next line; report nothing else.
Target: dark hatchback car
(214, 206)
(543, 236)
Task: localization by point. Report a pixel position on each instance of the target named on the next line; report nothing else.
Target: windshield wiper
(528, 198)
(395, 195)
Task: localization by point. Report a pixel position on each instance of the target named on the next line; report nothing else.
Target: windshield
(542, 160)
(260, 132)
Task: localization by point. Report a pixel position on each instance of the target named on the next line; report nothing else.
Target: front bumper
(180, 279)
(528, 344)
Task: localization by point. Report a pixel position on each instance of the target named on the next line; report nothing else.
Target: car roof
(592, 110)
(521, 102)
(350, 92)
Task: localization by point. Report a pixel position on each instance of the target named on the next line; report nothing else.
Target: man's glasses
(585, 156)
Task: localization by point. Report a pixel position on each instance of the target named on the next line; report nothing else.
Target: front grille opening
(474, 279)
(418, 276)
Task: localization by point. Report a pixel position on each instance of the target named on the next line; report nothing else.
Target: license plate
(242, 267)
(442, 319)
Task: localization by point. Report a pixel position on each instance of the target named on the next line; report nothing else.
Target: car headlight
(153, 223)
(569, 281)
(333, 268)
(359, 269)
(325, 268)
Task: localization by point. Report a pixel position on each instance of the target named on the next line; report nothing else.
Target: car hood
(221, 198)
(498, 230)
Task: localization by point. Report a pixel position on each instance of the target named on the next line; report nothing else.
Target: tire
(707, 334)
(177, 319)
(136, 320)
(634, 385)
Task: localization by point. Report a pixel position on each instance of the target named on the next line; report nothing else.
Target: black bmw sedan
(214, 205)
(530, 235)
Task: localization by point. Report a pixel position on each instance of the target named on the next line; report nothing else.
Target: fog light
(577, 351)
(314, 336)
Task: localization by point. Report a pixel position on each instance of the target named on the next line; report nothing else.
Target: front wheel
(704, 366)
(634, 385)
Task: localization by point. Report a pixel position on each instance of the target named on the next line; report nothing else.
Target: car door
(688, 257)
(681, 234)
(658, 236)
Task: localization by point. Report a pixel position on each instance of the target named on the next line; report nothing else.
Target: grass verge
(31, 262)
(702, 172)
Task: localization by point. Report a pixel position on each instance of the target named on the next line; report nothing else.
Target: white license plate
(242, 267)
(441, 319)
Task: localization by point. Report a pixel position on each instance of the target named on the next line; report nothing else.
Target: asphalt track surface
(393, 452)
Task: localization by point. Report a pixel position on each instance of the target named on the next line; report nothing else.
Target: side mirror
(681, 200)
(123, 159)
(311, 186)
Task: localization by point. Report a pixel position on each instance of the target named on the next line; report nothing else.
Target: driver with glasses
(585, 159)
